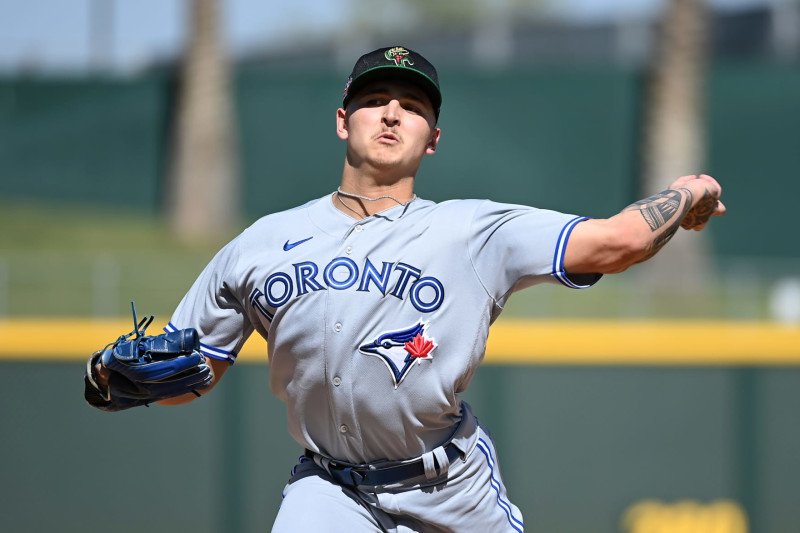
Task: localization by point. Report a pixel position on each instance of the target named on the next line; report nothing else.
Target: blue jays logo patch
(399, 349)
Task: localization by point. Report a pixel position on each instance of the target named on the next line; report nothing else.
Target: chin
(386, 162)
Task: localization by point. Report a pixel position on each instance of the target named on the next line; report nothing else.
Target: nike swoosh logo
(289, 245)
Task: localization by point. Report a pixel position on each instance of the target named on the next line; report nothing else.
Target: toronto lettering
(426, 293)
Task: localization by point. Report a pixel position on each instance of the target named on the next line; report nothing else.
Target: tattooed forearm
(663, 211)
(661, 208)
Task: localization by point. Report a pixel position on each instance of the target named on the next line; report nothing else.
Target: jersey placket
(339, 345)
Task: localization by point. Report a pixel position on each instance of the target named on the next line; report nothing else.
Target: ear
(341, 124)
(433, 142)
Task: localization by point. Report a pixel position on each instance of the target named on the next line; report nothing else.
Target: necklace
(339, 191)
(360, 215)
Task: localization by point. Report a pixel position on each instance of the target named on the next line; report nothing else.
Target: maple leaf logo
(420, 347)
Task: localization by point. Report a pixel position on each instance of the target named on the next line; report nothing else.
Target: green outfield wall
(581, 448)
(562, 138)
(599, 430)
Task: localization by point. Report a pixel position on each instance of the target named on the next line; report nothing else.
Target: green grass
(68, 261)
(36, 227)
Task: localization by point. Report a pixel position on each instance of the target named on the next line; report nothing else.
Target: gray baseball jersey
(374, 326)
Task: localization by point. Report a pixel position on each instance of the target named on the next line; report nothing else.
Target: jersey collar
(327, 218)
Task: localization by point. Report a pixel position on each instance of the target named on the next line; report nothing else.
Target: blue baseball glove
(139, 369)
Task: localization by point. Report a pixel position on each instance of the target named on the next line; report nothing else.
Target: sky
(55, 34)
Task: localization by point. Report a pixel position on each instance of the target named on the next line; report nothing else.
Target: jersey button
(343, 429)
(337, 381)
(349, 250)
(359, 228)
(337, 327)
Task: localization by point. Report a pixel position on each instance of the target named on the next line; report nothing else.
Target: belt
(353, 475)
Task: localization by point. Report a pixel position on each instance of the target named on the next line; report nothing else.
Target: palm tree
(674, 137)
(204, 187)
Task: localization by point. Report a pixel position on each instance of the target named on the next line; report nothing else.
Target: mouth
(389, 138)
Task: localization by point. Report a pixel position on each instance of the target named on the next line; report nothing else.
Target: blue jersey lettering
(426, 294)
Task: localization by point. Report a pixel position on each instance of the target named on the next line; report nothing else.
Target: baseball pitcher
(376, 306)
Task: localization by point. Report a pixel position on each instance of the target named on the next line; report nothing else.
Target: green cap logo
(399, 55)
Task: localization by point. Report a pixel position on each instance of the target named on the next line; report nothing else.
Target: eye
(387, 344)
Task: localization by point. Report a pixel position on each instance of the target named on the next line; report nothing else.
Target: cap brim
(391, 72)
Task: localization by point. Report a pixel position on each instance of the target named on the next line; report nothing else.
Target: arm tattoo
(660, 210)
(701, 212)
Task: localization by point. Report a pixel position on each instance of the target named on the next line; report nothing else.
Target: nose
(391, 113)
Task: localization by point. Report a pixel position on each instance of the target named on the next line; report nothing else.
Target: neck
(362, 196)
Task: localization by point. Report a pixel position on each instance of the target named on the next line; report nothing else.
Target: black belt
(353, 475)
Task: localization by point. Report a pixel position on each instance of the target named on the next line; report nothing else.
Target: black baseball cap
(395, 62)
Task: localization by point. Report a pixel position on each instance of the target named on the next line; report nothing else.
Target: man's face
(389, 125)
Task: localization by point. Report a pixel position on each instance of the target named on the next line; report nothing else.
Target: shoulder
(449, 215)
(289, 214)
(269, 223)
(457, 207)
(490, 210)
(266, 233)
(483, 212)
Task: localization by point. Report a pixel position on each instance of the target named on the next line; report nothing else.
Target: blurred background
(138, 137)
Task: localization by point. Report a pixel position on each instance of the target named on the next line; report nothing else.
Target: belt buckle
(347, 476)
(356, 476)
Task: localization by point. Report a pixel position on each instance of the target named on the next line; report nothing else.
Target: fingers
(707, 191)
(697, 218)
(102, 373)
(713, 185)
(682, 180)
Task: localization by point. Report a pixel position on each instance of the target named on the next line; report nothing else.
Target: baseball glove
(144, 369)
